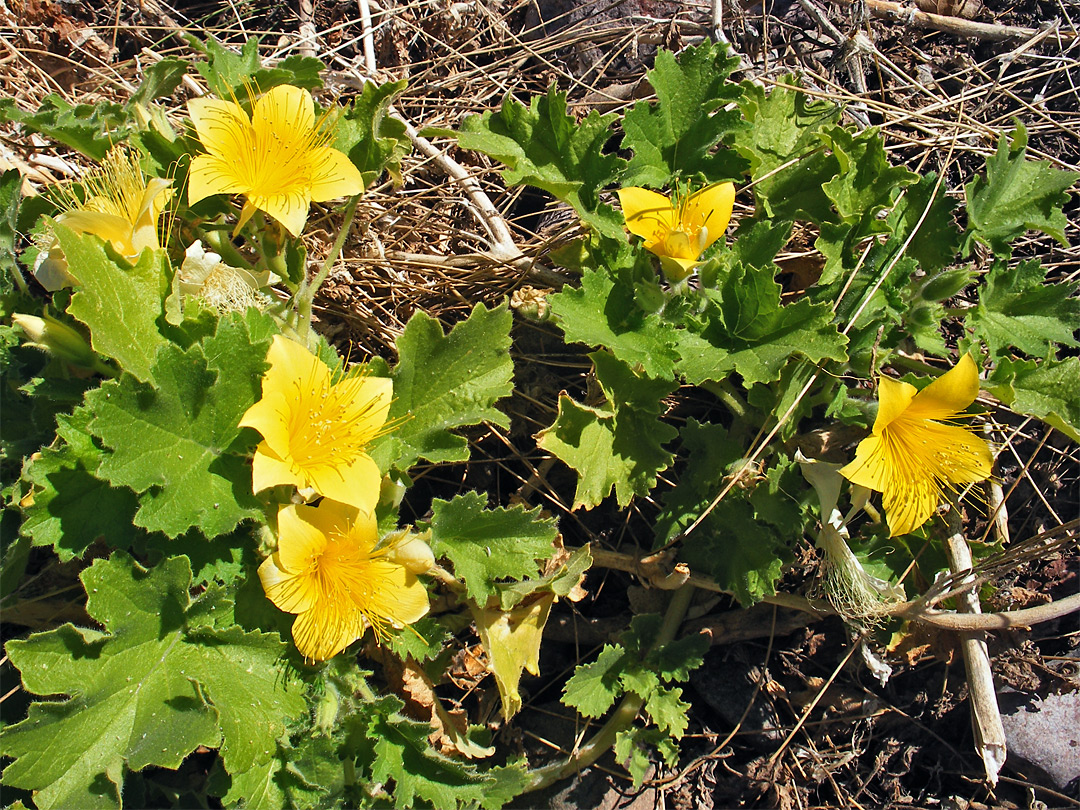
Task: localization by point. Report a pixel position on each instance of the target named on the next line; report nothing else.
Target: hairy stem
(623, 716)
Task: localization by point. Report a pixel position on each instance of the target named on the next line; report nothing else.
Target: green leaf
(403, 754)
(159, 79)
(632, 750)
(560, 582)
(710, 453)
(72, 507)
(937, 240)
(1018, 309)
(866, 182)
(1016, 195)
(442, 382)
(422, 640)
(618, 445)
(675, 660)
(750, 332)
(676, 135)
(543, 146)
(232, 75)
(171, 444)
(156, 684)
(370, 137)
(120, 305)
(1048, 390)
(603, 313)
(783, 127)
(668, 710)
(593, 688)
(10, 197)
(489, 545)
(733, 546)
(92, 129)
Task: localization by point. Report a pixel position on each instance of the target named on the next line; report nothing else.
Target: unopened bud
(56, 338)
(411, 551)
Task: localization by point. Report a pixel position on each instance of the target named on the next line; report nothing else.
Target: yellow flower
(121, 205)
(328, 571)
(913, 454)
(316, 428)
(678, 231)
(278, 157)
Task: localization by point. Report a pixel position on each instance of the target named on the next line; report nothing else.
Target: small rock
(1044, 733)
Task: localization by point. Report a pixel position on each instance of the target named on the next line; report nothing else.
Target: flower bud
(56, 338)
(411, 551)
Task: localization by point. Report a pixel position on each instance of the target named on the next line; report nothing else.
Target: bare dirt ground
(783, 714)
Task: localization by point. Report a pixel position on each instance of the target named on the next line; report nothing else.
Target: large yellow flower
(316, 428)
(120, 205)
(913, 454)
(278, 157)
(328, 571)
(678, 231)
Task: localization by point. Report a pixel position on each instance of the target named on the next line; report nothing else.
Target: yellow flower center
(344, 581)
(332, 430)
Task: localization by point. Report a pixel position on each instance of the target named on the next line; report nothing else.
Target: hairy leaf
(866, 183)
(784, 127)
(489, 545)
(602, 312)
(120, 305)
(172, 443)
(676, 135)
(593, 688)
(1048, 390)
(370, 137)
(618, 445)
(750, 332)
(543, 146)
(1016, 195)
(442, 382)
(1017, 308)
(71, 506)
(160, 681)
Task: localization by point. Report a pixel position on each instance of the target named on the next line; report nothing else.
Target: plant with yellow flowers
(778, 324)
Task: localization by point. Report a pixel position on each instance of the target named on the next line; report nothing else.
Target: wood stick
(958, 26)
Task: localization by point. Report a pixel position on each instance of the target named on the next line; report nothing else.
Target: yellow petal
(894, 397)
(870, 468)
(710, 209)
(677, 269)
(909, 507)
(113, 229)
(288, 206)
(358, 484)
(300, 540)
(949, 394)
(270, 470)
(337, 519)
(333, 175)
(397, 594)
(222, 126)
(145, 228)
(370, 405)
(211, 174)
(282, 111)
(289, 592)
(321, 633)
(646, 211)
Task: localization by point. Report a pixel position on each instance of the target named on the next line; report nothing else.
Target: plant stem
(726, 393)
(306, 296)
(222, 245)
(623, 716)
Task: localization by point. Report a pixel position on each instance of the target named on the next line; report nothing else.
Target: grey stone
(1043, 733)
